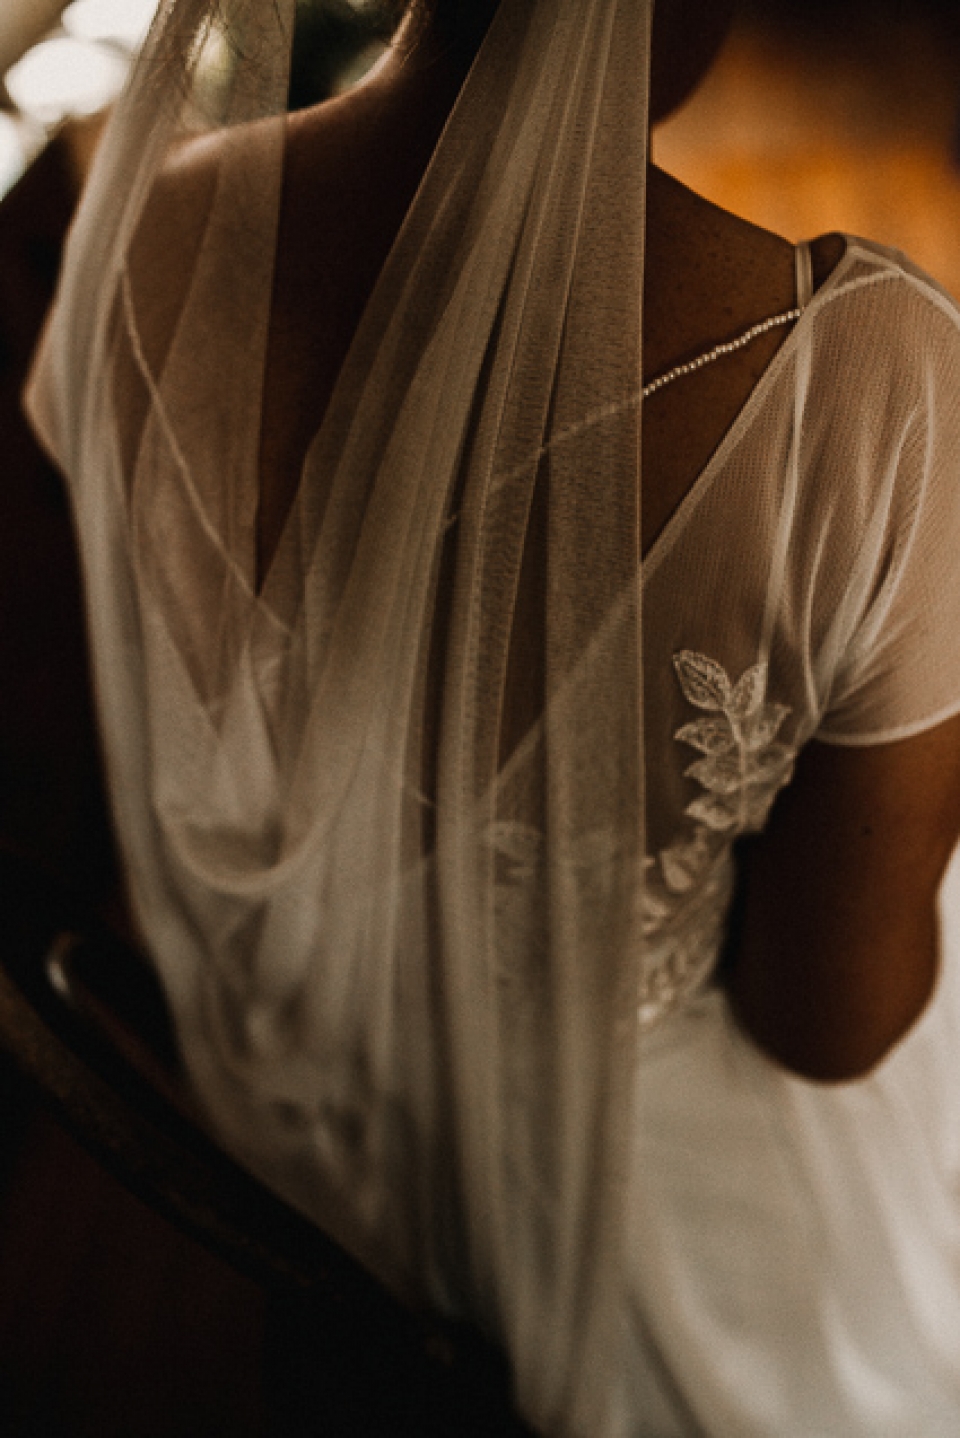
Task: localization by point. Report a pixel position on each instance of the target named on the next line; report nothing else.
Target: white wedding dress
(413, 983)
(796, 1247)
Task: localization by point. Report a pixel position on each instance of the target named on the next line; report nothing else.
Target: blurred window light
(64, 77)
(214, 66)
(120, 22)
(20, 144)
(12, 153)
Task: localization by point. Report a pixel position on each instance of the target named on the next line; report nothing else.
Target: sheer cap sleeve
(899, 672)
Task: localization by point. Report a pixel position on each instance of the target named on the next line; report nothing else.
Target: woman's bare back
(352, 169)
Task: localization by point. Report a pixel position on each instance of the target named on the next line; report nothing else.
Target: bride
(581, 972)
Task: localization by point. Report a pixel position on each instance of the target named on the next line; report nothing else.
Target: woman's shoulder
(882, 337)
(709, 274)
(871, 276)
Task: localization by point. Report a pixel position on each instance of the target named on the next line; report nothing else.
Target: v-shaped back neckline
(809, 301)
(261, 571)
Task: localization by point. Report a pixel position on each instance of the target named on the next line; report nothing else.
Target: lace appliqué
(689, 884)
(744, 766)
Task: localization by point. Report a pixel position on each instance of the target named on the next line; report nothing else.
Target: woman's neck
(448, 36)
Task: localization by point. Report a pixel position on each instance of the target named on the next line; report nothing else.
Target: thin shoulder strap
(804, 258)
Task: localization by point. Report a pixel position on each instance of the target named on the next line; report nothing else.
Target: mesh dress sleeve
(899, 672)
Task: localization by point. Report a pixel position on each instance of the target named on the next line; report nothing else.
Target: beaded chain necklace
(718, 351)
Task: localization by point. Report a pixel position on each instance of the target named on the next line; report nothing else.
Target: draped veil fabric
(400, 933)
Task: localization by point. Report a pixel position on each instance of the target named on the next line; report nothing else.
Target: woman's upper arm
(835, 950)
(835, 945)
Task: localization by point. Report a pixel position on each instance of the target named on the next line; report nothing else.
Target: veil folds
(382, 814)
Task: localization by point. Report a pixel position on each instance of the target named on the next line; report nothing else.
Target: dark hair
(687, 36)
(458, 22)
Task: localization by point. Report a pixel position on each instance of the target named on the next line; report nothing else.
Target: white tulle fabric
(795, 1247)
(402, 944)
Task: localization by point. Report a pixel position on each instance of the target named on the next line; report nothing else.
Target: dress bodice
(791, 595)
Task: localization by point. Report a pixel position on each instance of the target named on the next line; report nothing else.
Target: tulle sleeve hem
(889, 735)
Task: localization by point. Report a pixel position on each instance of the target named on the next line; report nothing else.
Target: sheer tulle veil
(403, 945)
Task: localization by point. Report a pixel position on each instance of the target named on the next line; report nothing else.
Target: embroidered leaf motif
(703, 682)
(720, 773)
(773, 766)
(688, 886)
(717, 815)
(743, 766)
(757, 808)
(748, 695)
(681, 865)
(711, 736)
(764, 727)
(655, 911)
